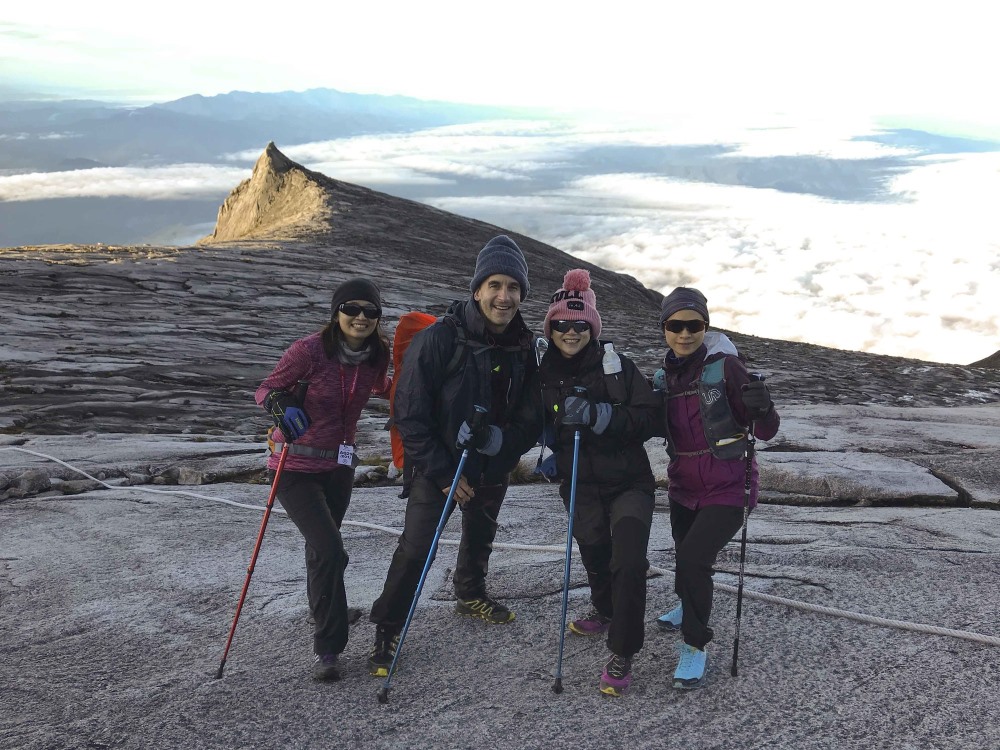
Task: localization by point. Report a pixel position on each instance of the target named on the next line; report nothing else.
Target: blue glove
(294, 422)
(288, 416)
(659, 382)
(756, 399)
(548, 468)
(577, 412)
(486, 439)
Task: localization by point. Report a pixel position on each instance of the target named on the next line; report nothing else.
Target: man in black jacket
(434, 402)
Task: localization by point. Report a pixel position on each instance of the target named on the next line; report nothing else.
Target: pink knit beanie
(574, 301)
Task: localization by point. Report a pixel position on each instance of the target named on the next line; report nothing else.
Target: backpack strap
(461, 341)
(727, 439)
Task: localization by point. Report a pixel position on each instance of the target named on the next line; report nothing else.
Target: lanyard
(347, 396)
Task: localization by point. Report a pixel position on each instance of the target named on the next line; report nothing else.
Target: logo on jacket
(712, 396)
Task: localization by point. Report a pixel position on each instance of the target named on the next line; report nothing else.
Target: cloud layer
(910, 265)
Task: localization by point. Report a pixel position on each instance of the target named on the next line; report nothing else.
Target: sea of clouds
(912, 271)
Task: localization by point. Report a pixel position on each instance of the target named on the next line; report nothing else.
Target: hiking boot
(617, 676)
(690, 672)
(671, 621)
(325, 667)
(383, 652)
(486, 609)
(593, 623)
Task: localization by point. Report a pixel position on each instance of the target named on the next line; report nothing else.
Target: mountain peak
(280, 200)
(274, 160)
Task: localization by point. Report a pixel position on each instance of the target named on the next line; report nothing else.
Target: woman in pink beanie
(615, 415)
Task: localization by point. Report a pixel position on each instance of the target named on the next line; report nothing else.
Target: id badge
(345, 456)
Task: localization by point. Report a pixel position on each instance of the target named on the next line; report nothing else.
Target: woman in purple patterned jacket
(343, 364)
(707, 481)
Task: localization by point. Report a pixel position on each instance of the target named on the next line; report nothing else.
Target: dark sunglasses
(565, 326)
(693, 326)
(352, 311)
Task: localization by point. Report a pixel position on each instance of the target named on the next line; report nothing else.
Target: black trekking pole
(383, 693)
(751, 440)
(557, 685)
(300, 390)
(541, 346)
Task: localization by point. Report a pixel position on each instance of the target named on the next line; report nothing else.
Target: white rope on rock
(916, 627)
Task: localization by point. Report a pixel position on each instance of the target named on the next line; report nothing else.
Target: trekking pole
(301, 388)
(557, 685)
(541, 346)
(383, 693)
(751, 440)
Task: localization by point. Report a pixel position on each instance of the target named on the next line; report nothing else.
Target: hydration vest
(727, 438)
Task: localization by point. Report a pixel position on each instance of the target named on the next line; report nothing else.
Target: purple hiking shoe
(617, 675)
(593, 623)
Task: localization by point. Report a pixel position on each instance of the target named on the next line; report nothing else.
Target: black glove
(288, 415)
(756, 399)
(579, 411)
(485, 438)
(582, 412)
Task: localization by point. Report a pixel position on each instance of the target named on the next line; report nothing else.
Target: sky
(935, 59)
(915, 277)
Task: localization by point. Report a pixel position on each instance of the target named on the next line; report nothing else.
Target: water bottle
(611, 362)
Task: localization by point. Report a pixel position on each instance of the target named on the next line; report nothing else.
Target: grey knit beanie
(684, 298)
(501, 255)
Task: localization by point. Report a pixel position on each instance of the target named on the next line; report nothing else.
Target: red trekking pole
(301, 389)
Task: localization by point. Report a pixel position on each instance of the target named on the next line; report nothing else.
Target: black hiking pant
(699, 536)
(423, 513)
(316, 503)
(612, 529)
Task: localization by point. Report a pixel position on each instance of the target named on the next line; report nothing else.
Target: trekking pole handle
(478, 417)
(758, 376)
(300, 391)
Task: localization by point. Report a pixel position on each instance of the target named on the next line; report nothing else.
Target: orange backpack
(410, 324)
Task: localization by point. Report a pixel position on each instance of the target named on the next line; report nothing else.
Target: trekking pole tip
(557, 686)
(218, 674)
(383, 695)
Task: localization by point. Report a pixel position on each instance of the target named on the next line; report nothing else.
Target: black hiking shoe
(383, 652)
(325, 667)
(486, 609)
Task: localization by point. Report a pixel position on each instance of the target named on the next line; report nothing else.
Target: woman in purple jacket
(708, 410)
(343, 364)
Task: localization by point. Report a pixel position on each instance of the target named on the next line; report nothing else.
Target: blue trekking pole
(751, 440)
(383, 693)
(557, 685)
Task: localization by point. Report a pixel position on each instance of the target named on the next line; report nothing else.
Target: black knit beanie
(501, 255)
(684, 298)
(358, 288)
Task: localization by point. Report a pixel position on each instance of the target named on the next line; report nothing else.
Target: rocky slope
(159, 340)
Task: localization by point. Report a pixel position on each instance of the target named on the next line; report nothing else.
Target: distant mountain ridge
(203, 128)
